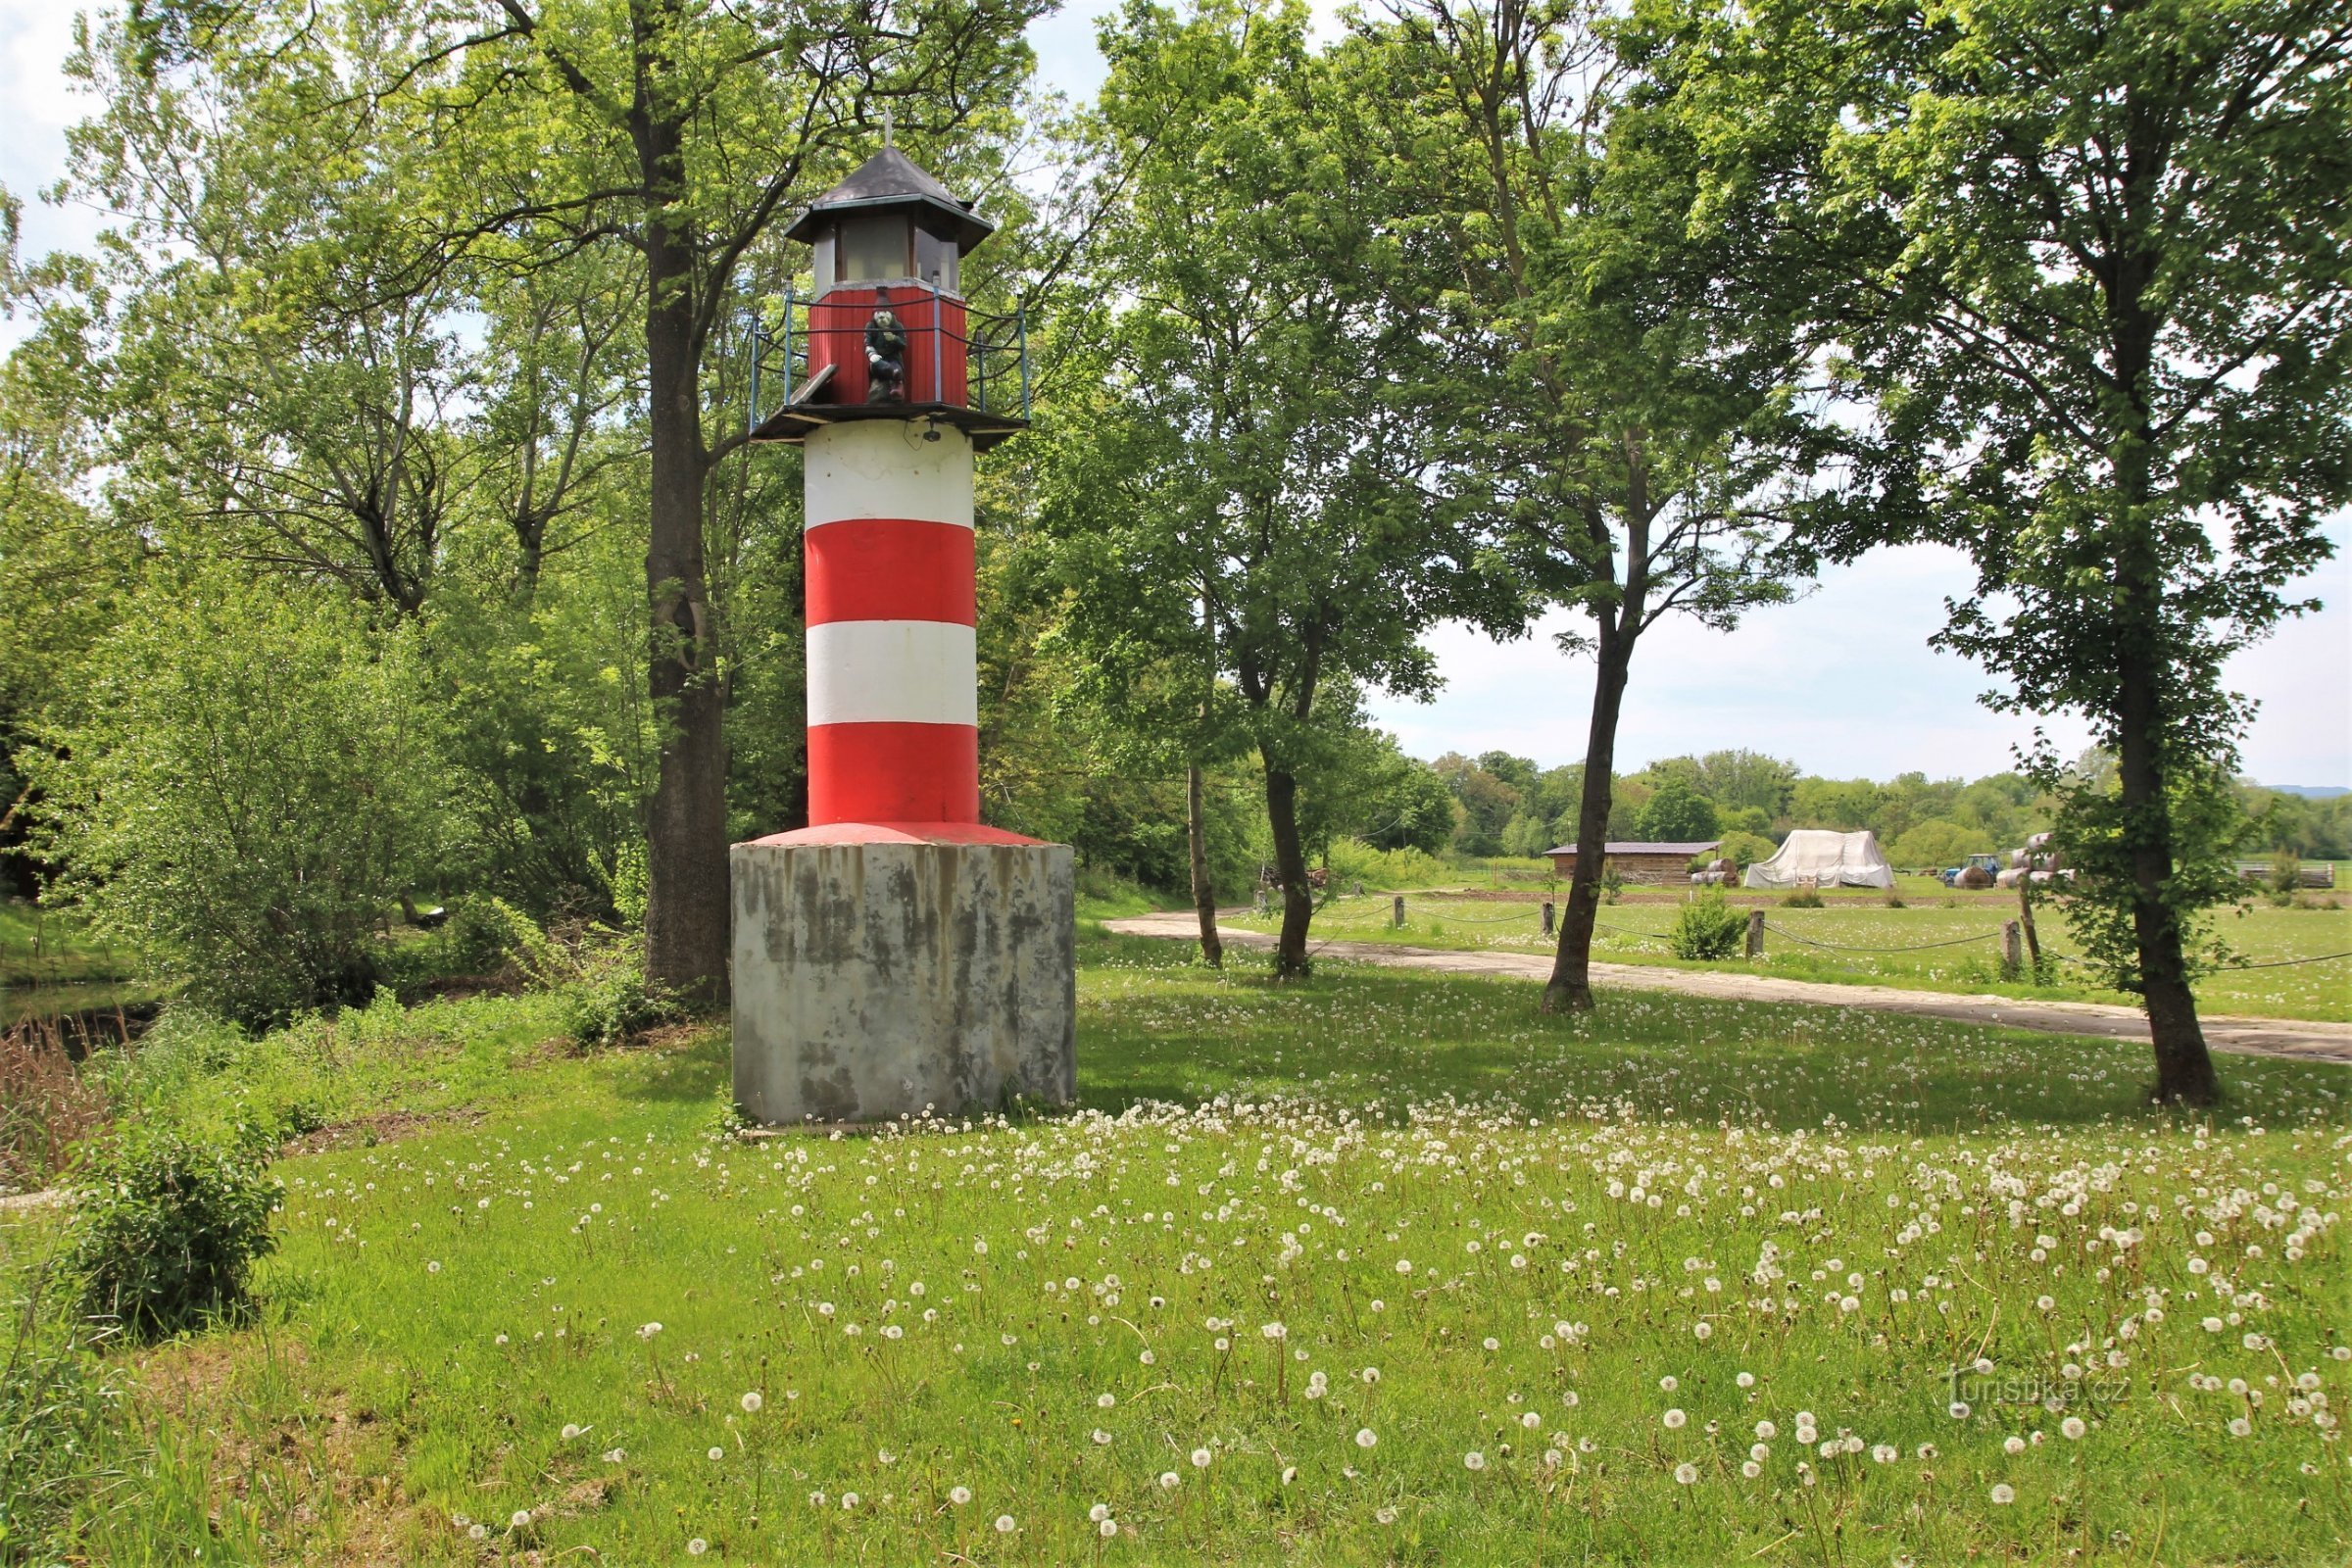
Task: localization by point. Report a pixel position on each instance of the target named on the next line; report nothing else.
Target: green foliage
(2096, 837)
(482, 939)
(1801, 899)
(611, 1002)
(1525, 835)
(2286, 871)
(1745, 850)
(166, 1228)
(249, 783)
(1353, 860)
(1937, 845)
(54, 1402)
(1678, 814)
(1707, 927)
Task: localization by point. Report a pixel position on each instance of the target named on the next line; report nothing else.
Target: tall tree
(1254, 496)
(1636, 416)
(2087, 259)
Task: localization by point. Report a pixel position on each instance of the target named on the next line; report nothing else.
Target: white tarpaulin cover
(1830, 860)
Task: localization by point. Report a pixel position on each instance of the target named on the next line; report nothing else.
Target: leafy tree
(1526, 834)
(1255, 499)
(1847, 805)
(282, 385)
(2088, 262)
(248, 784)
(65, 568)
(1678, 814)
(1408, 807)
(1743, 779)
(1636, 425)
(1937, 843)
(1489, 804)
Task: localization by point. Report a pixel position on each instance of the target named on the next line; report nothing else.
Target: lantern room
(886, 331)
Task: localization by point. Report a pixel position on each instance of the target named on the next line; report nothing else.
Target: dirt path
(2247, 1037)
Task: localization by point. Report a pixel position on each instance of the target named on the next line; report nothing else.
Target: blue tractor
(1990, 864)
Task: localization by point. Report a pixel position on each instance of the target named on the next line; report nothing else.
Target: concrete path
(2246, 1037)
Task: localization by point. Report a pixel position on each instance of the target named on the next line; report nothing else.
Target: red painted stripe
(890, 568)
(893, 774)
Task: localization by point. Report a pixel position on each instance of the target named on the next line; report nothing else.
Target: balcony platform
(794, 421)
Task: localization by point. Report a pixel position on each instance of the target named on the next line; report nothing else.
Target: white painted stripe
(893, 672)
(885, 468)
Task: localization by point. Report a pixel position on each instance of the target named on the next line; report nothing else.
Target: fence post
(1755, 933)
(1547, 917)
(1397, 913)
(2013, 958)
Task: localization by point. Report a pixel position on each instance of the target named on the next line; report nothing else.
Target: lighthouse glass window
(937, 260)
(874, 249)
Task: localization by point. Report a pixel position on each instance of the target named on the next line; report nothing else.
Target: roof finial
(886, 125)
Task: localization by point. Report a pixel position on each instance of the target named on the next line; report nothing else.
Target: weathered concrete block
(880, 978)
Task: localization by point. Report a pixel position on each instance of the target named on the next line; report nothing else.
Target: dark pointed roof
(890, 178)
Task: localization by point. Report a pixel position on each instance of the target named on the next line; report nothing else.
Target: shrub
(1707, 927)
(252, 780)
(1803, 898)
(610, 1001)
(165, 1230)
(1353, 860)
(2286, 872)
(483, 938)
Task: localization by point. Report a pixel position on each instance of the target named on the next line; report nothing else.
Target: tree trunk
(1290, 867)
(1570, 988)
(1204, 896)
(686, 912)
(2183, 1066)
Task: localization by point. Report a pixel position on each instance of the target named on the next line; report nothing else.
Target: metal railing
(995, 346)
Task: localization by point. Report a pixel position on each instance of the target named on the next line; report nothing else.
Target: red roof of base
(898, 833)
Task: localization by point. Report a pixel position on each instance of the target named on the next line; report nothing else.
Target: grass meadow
(1374, 1268)
(1935, 945)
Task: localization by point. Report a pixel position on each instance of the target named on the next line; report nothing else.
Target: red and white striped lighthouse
(897, 956)
(893, 707)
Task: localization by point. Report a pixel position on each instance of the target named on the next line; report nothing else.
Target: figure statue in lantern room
(885, 355)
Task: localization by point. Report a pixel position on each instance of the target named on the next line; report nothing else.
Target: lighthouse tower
(897, 956)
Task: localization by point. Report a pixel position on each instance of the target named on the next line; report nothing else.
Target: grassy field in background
(49, 947)
(1965, 958)
(1376, 1267)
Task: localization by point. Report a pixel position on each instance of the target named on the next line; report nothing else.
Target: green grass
(1508, 1216)
(48, 948)
(1965, 956)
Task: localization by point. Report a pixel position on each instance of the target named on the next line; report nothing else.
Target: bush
(165, 1230)
(1707, 927)
(1353, 860)
(483, 938)
(611, 1002)
(1803, 898)
(251, 781)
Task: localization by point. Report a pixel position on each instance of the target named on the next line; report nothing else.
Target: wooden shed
(1640, 861)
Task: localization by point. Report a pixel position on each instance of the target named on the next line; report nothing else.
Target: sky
(1843, 683)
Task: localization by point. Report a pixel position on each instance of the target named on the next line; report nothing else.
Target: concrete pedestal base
(889, 969)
